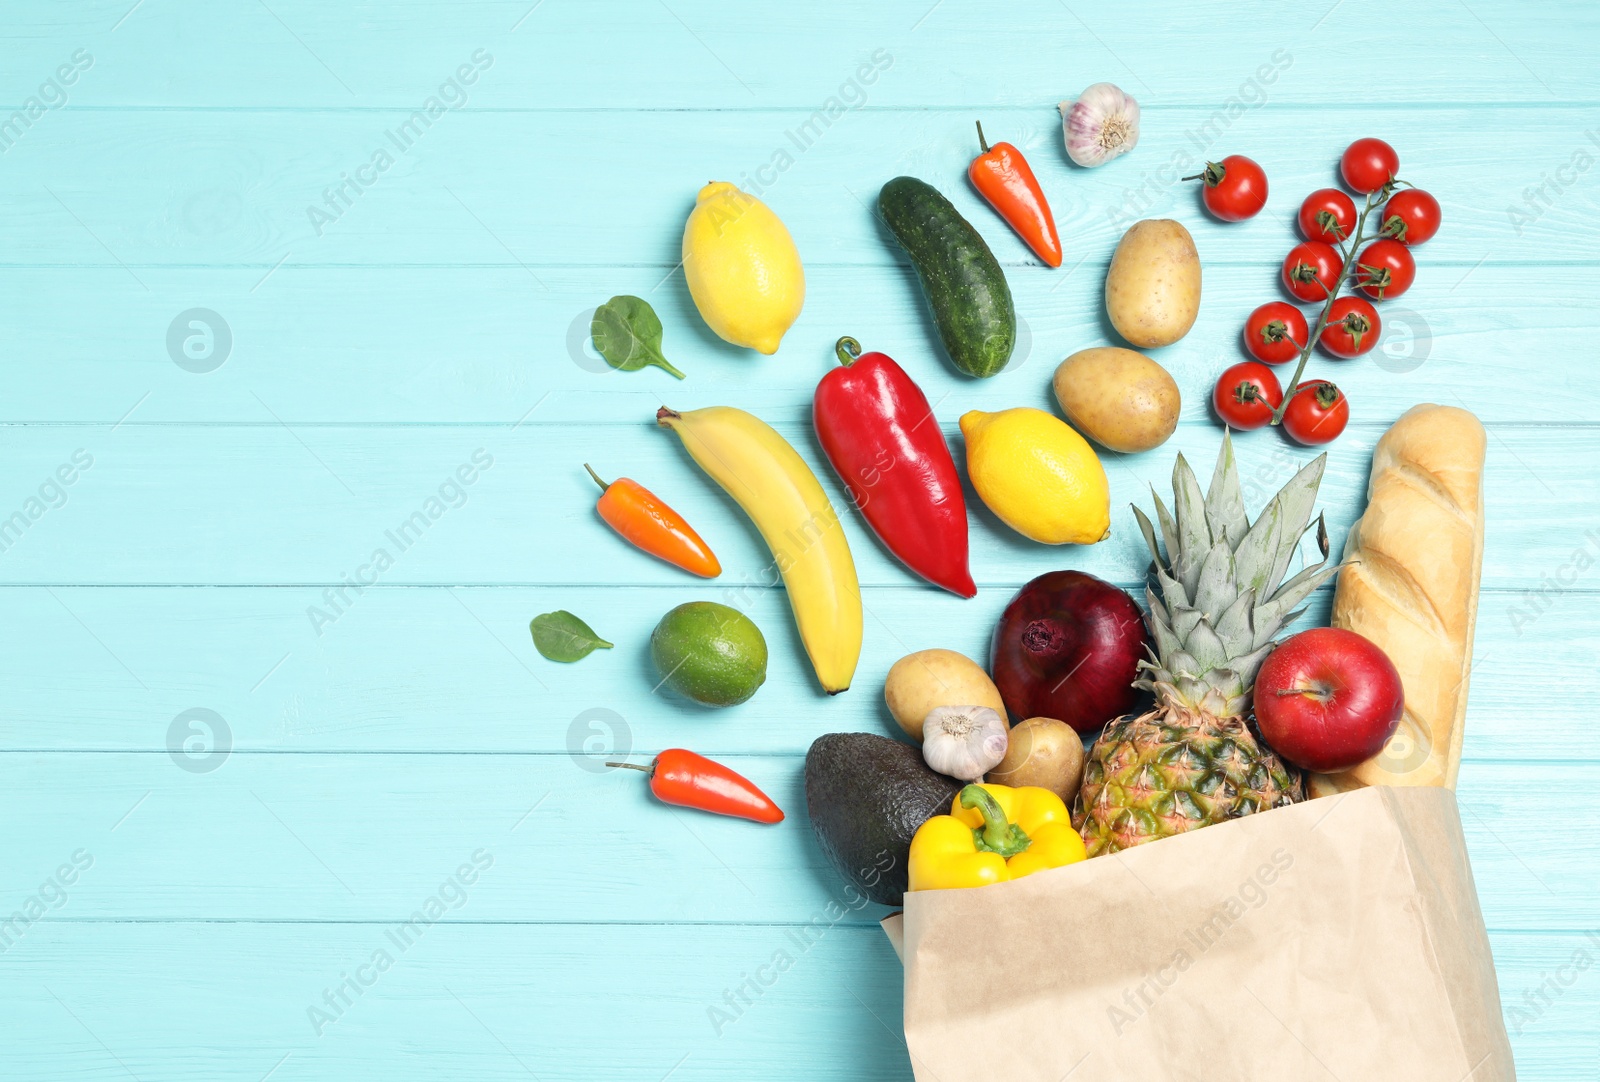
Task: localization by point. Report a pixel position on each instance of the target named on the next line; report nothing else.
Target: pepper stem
(848, 350)
(996, 835)
(651, 769)
(603, 485)
(982, 142)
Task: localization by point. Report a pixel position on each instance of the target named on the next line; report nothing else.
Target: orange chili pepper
(646, 522)
(1002, 176)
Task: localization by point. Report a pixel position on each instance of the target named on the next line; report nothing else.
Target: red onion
(1068, 647)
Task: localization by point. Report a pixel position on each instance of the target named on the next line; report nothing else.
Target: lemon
(743, 269)
(1038, 475)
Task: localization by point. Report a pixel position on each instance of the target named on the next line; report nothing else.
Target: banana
(769, 479)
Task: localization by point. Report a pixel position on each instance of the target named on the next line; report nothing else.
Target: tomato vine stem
(1375, 200)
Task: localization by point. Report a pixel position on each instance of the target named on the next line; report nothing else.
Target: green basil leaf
(561, 636)
(627, 334)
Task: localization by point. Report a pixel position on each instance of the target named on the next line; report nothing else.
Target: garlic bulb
(1101, 124)
(963, 742)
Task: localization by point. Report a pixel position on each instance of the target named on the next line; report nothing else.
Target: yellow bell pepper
(993, 833)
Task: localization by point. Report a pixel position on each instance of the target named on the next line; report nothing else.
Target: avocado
(867, 795)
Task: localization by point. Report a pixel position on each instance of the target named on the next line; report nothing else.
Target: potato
(1153, 287)
(1120, 399)
(1043, 752)
(928, 678)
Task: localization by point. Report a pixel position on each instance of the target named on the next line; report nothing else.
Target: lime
(710, 653)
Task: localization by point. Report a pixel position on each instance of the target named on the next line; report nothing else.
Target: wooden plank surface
(253, 179)
(1460, 332)
(285, 840)
(452, 669)
(351, 752)
(267, 503)
(454, 1003)
(695, 54)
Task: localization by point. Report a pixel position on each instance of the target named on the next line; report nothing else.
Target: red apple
(1068, 647)
(1327, 699)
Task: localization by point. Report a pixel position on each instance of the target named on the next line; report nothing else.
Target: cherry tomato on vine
(1311, 270)
(1385, 269)
(1411, 216)
(1328, 215)
(1317, 413)
(1235, 188)
(1353, 327)
(1246, 395)
(1275, 332)
(1369, 164)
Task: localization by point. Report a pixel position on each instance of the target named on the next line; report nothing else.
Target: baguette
(1410, 584)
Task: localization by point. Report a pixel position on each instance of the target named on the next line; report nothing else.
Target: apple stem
(1321, 693)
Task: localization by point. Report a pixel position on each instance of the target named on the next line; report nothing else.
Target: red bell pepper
(1003, 177)
(878, 431)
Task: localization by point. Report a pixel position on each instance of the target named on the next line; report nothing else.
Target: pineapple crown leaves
(1223, 597)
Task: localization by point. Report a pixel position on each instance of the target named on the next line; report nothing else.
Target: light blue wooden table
(253, 352)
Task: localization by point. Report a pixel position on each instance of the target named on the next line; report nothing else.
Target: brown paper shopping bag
(1338, 939)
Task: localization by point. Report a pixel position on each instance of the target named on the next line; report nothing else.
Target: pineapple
(1194, 760)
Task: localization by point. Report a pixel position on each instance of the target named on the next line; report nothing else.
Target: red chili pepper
(692, 781)
(1002, 176)
(879, 432)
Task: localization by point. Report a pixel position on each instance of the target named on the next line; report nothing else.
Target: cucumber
(960, 276)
